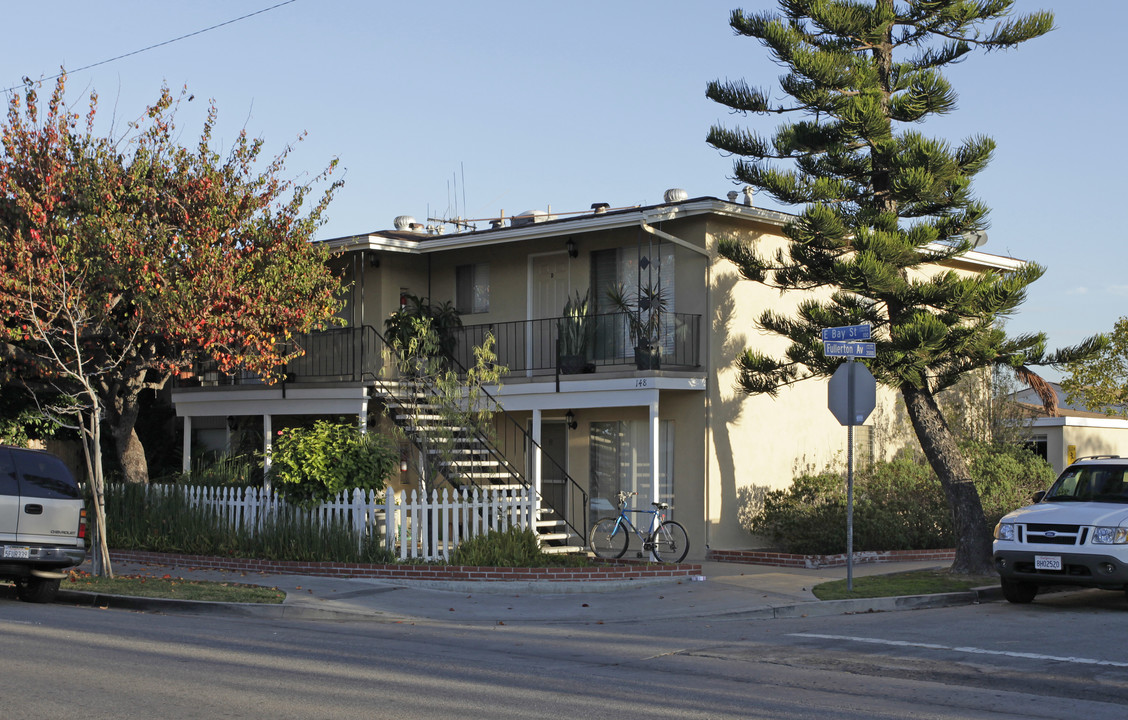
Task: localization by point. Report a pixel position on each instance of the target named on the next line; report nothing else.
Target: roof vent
(404, 222)
(733, 195)
(528, 218)
(748, 191)
(600, 208)
(674, 195)
(977, 238)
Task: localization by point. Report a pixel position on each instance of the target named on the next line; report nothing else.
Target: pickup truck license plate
(1047, 562)
(20, 553)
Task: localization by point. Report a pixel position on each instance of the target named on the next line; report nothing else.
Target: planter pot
(572, 364)
(648, 358)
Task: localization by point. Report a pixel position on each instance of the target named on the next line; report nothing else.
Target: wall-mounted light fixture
(403, 461)
(570, 244)
(570, 420)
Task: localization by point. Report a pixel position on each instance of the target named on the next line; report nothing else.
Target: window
(620, 462)
(633, 267)
(863, 446)
(472, 288)
(44, 476)
(1039, 445)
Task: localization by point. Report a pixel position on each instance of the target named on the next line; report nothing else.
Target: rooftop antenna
(458, 221)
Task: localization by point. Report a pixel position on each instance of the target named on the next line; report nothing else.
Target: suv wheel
(1016, 591)
(37, 590)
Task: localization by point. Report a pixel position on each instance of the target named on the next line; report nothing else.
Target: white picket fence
(414, 525)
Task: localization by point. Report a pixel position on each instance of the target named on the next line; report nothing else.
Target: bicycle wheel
(607, 539)
(670, 541)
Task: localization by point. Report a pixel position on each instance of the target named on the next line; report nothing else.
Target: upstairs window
(472, 288)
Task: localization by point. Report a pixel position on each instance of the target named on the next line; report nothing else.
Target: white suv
(1076, 533)
(42, 522)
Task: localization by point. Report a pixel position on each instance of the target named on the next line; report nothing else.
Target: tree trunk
(91, 446)
(121, 416)
(973, 537)
(131, 455)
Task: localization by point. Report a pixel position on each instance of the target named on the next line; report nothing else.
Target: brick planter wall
(609, 571)
(812, 562)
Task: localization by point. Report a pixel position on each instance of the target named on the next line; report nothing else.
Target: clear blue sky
(517, 105)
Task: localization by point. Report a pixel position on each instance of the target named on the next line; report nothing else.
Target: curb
(825, 608)
(301, 611)
(210, 607)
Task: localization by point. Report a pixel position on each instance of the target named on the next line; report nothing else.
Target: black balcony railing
(537, 346)
(354, 354)
(350, 354)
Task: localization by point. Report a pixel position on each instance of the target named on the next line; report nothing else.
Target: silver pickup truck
(1075, 533)
(42, 522)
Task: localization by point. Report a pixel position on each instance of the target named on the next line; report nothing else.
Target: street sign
(850, 349)
(846, 333)
(852, 393)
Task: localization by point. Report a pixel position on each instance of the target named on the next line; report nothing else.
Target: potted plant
(573, 334)
(644, 311)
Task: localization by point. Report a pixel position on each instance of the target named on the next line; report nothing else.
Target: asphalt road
(1062, 657)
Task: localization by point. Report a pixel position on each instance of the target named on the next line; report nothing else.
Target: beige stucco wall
(760, 443)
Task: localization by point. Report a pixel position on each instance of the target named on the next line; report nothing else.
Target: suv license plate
(20, 553)
(1047, 562)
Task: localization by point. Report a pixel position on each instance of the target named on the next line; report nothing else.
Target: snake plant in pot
(644, 312)
(574, 332)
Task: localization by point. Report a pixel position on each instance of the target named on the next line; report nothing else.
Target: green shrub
(227, 471)
(898, 505)
(1007, 475)
(163, 520)
(512, 547)
(311, 465)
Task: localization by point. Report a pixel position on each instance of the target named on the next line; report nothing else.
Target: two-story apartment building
(669, 423)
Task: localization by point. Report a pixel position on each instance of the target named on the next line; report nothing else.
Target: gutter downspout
(704, 252)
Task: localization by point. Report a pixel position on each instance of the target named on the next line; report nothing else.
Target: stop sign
(852, 394)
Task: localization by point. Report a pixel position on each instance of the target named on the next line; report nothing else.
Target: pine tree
(886, 209)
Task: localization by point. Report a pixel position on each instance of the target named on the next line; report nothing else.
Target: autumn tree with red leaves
(122, 259)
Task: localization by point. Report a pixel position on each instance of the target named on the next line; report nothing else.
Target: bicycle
(609, 537)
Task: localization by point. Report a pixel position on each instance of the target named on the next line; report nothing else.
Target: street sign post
(851, 397)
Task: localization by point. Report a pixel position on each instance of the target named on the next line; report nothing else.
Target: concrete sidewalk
(724, 590)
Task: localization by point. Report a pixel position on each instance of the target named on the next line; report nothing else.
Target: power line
(161, 44)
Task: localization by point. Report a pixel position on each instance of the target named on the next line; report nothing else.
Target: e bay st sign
(846, 333)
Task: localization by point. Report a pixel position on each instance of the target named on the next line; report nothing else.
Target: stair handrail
(577, 526)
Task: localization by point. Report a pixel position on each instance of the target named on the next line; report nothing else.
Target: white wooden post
(186, 446)
(267, 445)
(537, 451)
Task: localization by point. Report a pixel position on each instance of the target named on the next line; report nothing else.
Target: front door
(549, 285)
(554, 444)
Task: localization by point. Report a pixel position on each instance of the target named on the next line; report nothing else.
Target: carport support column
(655, 449)
(186, 447)
(267, 446)
(536, 459)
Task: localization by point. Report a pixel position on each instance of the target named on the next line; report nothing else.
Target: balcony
(525, 347)
(344, 355)
(529, 347)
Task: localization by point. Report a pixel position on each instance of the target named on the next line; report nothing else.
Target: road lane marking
(971, 650)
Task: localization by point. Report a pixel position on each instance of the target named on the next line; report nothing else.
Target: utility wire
(161, 44)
